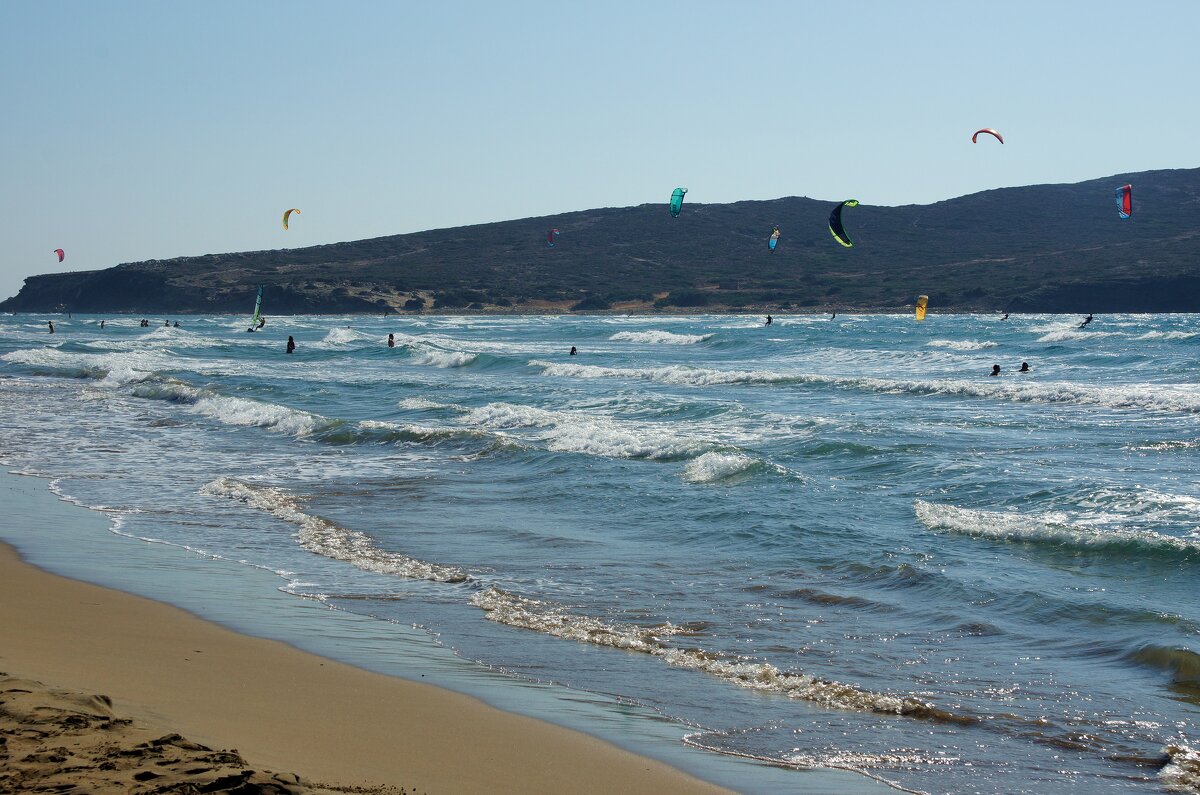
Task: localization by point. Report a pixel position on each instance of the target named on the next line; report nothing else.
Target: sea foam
(656, 337)
(325, 538)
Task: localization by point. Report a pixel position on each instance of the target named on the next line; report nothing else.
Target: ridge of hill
(1039, 248)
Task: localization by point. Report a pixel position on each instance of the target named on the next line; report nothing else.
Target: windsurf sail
(254, 321)
(922, 303)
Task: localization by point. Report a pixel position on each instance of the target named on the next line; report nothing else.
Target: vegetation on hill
(1054, 248)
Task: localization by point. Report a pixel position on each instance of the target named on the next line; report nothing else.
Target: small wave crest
(674, 374)
(1183, 664)
(325, 538)
(962, 345)
(551, 619)
(1067, 335)
(656, 337)
(1181, 773)
(1052, 528)
(1167, 335)
(574, 432)
(714, 466)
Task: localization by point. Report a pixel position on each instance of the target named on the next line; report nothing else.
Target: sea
(826, 543)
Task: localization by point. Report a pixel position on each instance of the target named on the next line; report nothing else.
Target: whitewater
(820, 544)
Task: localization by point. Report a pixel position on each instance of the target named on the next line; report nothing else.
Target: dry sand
(165, 673)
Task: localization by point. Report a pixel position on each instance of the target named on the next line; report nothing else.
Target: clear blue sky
(136, 130)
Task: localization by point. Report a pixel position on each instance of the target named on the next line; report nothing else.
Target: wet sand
(100, 657)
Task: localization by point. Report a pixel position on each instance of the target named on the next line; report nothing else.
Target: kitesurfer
(1024, 367)
(1086, 320)
(101, 324)
(831, 317)
(573, 351)
(51, 322)
(1005, 316)
(391, 340)
(995, 369)
(291, 345)
(768, 321)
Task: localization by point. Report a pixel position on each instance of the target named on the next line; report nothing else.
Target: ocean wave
(714, 466)
(344, 337)
(1167, 335)
(656, 337)
(1182, 664)
(1066, 335)
(575, 432)
(112, 369)
(439, 358)
(294, 422)
(1181, 773)
(962, 345)
(1050, 528)
(551, 619)
(325, 538)
(673, 374)
(1156, 397)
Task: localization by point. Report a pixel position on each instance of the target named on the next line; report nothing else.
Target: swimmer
(995, 369)
(1024, 367)
(573, 351)
(391, 340)
(292, 346)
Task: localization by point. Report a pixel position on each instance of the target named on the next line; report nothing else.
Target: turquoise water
(824, 543)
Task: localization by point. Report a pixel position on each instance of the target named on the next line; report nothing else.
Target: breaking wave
(1181, 773)
(1156, 397)
(961, 345)
(323, 537)
(551, 619)
(1167, 335)
(713, 466)
(1182, 664)
(574, 432)
(655, 337)
(1050, 528)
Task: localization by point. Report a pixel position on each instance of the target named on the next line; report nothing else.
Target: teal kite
(677, 201)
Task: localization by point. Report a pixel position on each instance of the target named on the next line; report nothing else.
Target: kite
(835, 223)
(677, 201)
(1124, 201)
(989, 131)
(922, 302)
(550, 236)
(60, 254)
(288, 214)
(774, 241)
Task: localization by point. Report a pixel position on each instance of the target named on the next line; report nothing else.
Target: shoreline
(289, 710)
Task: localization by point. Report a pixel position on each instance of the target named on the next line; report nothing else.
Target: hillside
(1055, 248)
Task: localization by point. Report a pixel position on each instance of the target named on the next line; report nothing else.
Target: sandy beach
(103, 656)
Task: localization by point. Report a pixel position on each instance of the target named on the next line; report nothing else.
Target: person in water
(573, 351)
(167, 323)
(831, 317)
(1086, 320)
(291, 345)
(176, 324)
(1005, 316)
(391, 340)
(1024, 367)
(262, 321)
(995, 369)
(51, 322)
(101, 324)
(768, 320)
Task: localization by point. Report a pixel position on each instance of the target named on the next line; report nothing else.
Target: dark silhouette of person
(1024, 367)
(262, 321)
(51, 322)
(167, 323)
(1086, 320)
(831, 317)
(768, 320)
(291, 345)
(176, 324)
(101, 324)
(1005, 316)
(995, 369)
(391, 340)
(573, 351)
